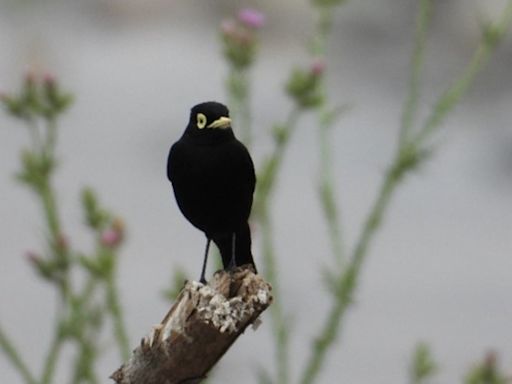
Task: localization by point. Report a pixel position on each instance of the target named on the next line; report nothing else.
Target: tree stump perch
(199, 328)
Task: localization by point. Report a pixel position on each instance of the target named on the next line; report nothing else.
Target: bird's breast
(213, 184)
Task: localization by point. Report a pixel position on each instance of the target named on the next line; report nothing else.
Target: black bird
(213, 178)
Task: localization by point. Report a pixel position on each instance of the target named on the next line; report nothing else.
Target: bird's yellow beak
(221, 122)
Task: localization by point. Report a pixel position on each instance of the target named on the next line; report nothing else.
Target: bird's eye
(201, 120)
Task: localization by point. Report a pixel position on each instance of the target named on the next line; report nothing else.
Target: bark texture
(199, 328)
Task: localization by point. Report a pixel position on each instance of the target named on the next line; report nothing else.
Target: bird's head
(208, 118)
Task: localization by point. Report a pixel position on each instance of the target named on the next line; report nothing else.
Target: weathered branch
(198, 329)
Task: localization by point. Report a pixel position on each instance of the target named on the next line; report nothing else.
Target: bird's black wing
(243, 172)
(177, 161)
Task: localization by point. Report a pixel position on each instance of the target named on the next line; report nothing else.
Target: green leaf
(95, 217)
(423, 365)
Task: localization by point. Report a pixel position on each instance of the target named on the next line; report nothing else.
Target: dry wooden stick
(198, 329)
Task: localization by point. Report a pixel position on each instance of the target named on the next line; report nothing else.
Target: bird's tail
(243, 253)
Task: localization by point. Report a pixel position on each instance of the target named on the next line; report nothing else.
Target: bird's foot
(232, 265)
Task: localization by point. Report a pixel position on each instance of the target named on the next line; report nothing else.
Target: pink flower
(251, 18)
(62, 242)
(318, 66)
(110, 238)
(113, 236)
(49, 80)
(236, 33)
(228, 27)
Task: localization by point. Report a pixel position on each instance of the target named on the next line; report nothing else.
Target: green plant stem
(272, 164)
(78, 319)
(33, 125)
(45, 189)
(400, 165)
(265, 188)
(411, 105)
(349, 278)
(50, 209)
(87, 291)
(280, 326)
(61, 334)
(48, 200)
(327, 193)
(84, 361)
(238, 86)
(84, 335)
(51, 136)
(14, 357)
(114, 307)
(323, 27)
(493, 34)
(53, 355)
(47, 196)
(374, 219)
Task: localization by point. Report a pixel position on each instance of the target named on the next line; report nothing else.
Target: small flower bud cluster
(239, 37)
(36, 169)
(39, 97)
(304, 85)
(42, 266)
(110, 237)
(110, 234)
(110, 230)
(113, 235)
(488, 371)
(51, 268)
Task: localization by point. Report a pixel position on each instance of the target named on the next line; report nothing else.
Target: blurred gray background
(439, 271)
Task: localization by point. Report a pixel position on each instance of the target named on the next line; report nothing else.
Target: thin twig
(323, 29)
(12, 354)
(264, 193)
(238, 86)
(115, 309)
(349, 277)
(347, 284)
(52, 355)
(327, 193)
(492, 35)
(411, 105)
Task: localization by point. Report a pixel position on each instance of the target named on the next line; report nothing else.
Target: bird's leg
(232, 263)
(203, 271)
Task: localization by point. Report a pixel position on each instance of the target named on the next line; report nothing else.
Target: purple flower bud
(112, 237)
(62, 242)
(318, 66)
(235, 33)
(491, 359)
(228, 27)
(251, 18)
(49, 80)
